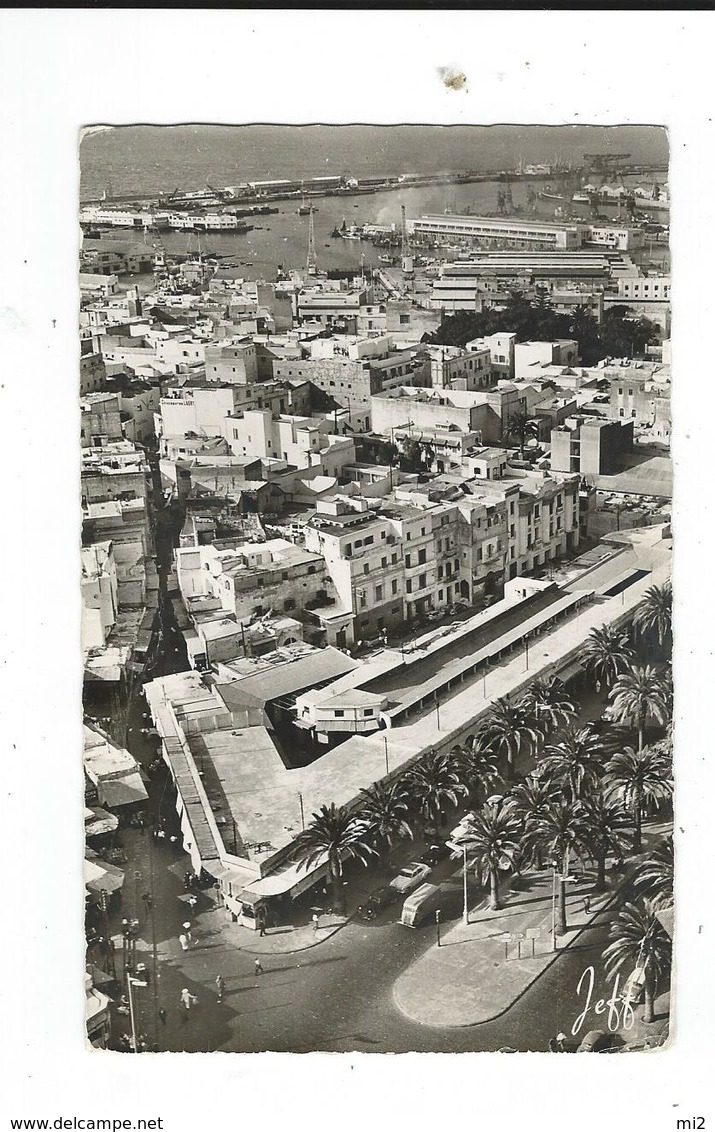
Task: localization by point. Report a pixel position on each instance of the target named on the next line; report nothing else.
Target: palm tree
(654, 614)
(638, 778)
(548, 704)
(559, 833)
(655, 878)
(576, 760)
(639, 942)
(607, 654)
(609, 831)
(506, 728)
(384, 808)
(528, 802)
(332, 834)
(521, 426)
(491, 837)
(638, 694)
(433, 785)
(478, 769)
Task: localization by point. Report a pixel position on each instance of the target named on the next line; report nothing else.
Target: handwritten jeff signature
(617, 1008)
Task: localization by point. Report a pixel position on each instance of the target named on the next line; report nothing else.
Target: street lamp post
(486, 669)
(130, 984)
(436, 917)
(553, 905)
(465, 910)
(387, 757)
(437, 706)
(526, 649)
(302, 812)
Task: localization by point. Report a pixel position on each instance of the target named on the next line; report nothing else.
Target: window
(366, 568)
(394, 585)
(408, 586)
(404, 319)
(408, 560)
(378, 593)
(422, 581)
(311, 569)
(369, 540)
(339, 714)
(393, 559)
(621, 412)
(383, 562)
(421, 557)
(348, 549)
(630, 392)
(633, 412)
(439, 546)
(440, 573)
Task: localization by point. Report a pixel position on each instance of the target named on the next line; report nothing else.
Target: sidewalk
(484, 966)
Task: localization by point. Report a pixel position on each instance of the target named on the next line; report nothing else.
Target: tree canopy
(618, 335)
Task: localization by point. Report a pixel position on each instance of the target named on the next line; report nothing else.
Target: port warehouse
(506, 230)
(459, 283)
(526, 233)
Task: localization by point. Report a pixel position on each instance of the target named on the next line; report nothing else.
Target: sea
(153, 159)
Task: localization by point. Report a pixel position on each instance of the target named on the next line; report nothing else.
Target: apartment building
(233, 362)
(251, 580)
(530, 357)
(500, 348)
(590, 446)
(453, 368)
(303, 442)
(364, 557)
(482, 412)
(350, 370)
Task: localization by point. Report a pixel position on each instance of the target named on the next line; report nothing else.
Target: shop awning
(98, 821)
(122, 791)
(102, 877)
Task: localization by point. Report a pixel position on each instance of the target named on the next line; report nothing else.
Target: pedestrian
(192, 902)
(187, 928)
(587, 904)
(262, 924)
(148, 901)
(560, 1039)
(258, 967)
(186, 1001)
(553, 1048)
(315, 922)
(162, 1015)
(184, 942)
(220, 986)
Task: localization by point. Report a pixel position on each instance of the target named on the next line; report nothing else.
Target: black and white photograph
(357, 644)
(376, 587)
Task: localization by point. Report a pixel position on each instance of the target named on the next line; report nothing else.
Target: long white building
(506, 231)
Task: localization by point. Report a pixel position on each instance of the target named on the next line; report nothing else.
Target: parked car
(434, 853)
(378, 901)
(411, 877)
(421, 906)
